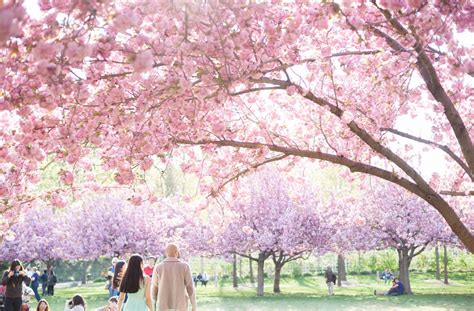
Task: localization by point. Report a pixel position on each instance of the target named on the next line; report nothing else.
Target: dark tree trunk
(437, 274)
(49, 265)
(445, 263)
(251, 277)
(404, 265)
(260, 274)
(234, 272)
(359, 263)
(240, 267)
(276, 280)
(85, 269)
(341, 270)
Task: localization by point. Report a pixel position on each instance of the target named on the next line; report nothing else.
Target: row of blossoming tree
(376, 86)
(273, 218)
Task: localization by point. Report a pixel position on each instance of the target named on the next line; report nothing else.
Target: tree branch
(346, 53)
(457, 193)
(256, 90)
(245, 171)
(431, 143)
(430, 76)
(355, 167)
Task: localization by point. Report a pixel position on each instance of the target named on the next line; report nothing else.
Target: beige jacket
(172, 286)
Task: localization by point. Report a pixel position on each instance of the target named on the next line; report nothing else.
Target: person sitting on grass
(396, 289)
(112, 306)
(77, 303)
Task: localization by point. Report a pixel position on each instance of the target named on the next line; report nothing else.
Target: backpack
(333, 278)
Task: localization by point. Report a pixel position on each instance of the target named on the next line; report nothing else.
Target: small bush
(296, 271)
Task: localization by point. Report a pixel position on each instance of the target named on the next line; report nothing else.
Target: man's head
(172, 250)
(34, 269)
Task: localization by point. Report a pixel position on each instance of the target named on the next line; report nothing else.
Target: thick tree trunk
(276, 280)
(251, 277)
(235, 283)
(437, 274)
(49, 265)
(341, 270)
(260, 274)
(404, 265)
(445, 263)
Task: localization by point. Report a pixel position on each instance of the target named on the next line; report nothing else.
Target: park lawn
(309, 293)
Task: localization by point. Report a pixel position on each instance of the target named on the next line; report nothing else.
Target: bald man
(172, 283)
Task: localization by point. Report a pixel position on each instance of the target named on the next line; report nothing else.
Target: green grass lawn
(309, 293)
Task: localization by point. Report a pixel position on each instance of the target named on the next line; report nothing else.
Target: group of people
(136, 286)
(202, 278)
(133, 286)
(396, 289)
(19, 285)
(387, 275)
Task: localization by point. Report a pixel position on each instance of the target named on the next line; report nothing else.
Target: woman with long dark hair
(13, 279)
(77, 303)
(120, 267)
(136, 286)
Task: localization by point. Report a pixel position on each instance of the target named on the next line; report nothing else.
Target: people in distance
(44, 283)
(120, 267)
(35, 281)
(110, 275)
(396, 289)
(150, 265)
(330, 280)
(52, 280)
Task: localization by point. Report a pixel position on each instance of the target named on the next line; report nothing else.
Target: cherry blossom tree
(395, 218)
(269, 222)
(112, 224)
(250, 83)
(37, 236)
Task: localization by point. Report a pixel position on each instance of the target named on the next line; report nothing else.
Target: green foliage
(387, 259)
(296, 271)
(372, 263)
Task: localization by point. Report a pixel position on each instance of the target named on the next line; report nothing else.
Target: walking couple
(169, 289)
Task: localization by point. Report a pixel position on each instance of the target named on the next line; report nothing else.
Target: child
(112, 306)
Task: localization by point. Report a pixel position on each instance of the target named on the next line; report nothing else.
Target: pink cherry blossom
(375, 87)
(143, 61)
